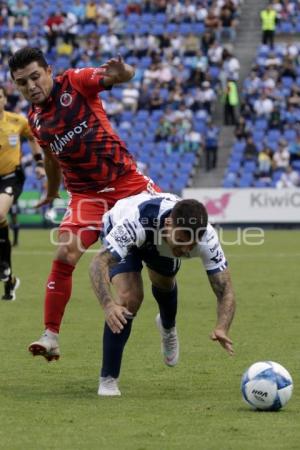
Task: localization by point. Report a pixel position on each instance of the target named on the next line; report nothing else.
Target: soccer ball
(267, 386)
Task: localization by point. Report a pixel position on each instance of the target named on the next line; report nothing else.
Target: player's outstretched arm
(222, 287)
(99, 275)
(38, 157)
(116, 71)
(53, 173)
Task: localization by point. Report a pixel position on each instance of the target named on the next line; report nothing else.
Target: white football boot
(108, 387)
(46, 346)
(169, 343)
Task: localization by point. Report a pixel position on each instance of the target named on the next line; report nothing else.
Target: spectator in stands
(18, 15)
(207, 40)
(175, 141)
(174, 11)
(263, 106)
(265, 164)
(91, 13)
(52, 28)
(109, 44)
(191, 44)
(133, 8)
(130, 97)
(228, 23)
(281, 157)
(250, 153)
(231, 65)
(113, 107)
(205, 97)
(163, 130)
(275, 120)
(294, 149)
(155, 101)
(3, 13)
(211, 146)
(288, 69)
(268, 19)
(289, 179)
(18, 41)
(294, 98)
(212, 22)
(241, 132)
(231, 101)
(78, 8)
(105, 12)
(192, 141)
(69, 28)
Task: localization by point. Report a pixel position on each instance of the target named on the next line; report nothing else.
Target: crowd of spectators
(267, 148)
(176, 46)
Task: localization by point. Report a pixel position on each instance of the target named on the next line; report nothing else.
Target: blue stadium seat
(290, 135)
(296, 165)
(228, 184)
(234, 166)
(160, 18)
(286, 27)
(249, 167)
(172, 28)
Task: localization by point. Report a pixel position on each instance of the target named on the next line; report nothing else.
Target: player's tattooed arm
(115, 314)
(99, 274)
(222, 287)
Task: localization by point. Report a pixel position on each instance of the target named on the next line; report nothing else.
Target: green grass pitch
(196, 405)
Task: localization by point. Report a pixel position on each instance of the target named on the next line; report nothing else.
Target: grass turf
(196, 405)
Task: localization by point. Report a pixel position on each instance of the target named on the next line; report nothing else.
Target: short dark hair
(190, 214)
(2, 88)
(26, 56)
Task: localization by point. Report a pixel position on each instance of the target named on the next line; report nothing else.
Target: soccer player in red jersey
(69, 122)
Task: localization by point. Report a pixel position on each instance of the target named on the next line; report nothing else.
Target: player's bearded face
(34, 82)
(180, 241)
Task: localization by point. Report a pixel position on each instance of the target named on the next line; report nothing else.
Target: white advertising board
(249, 205)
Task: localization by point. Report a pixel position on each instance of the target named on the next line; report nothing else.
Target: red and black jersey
(73, 125)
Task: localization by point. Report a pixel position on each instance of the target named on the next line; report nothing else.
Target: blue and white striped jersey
(138, 221)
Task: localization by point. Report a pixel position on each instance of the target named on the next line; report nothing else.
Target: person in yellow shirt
(268, 20)
(13, 127)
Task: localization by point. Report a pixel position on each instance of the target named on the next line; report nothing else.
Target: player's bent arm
(115, 315)
(99, 275)
(222, 287)
(53, 173)
(38, 158)
(116, 71)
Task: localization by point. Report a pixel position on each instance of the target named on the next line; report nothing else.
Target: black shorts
(133, 262)
(12, 184)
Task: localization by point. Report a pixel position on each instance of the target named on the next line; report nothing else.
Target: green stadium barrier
(30, 216)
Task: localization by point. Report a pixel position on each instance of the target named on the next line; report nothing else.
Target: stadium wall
(247, 206)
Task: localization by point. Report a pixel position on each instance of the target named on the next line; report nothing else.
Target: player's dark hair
(26, 56)
(190, 214)
(2, 88)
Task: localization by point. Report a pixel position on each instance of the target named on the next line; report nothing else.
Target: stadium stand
(176, 47)
(267, 148)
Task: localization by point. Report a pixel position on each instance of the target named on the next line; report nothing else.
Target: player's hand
(115, 316)
(47, 200)
(220, 336)
(40, 172)
(116, 70)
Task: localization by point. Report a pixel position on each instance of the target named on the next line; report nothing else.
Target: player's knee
(131, 298)
(67, 254)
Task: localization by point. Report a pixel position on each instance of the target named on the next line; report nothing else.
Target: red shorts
(85, 210)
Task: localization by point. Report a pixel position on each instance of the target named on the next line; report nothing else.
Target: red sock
(58, 293)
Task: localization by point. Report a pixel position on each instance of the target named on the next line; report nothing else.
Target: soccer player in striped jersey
(69, 122)
(158, 230)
